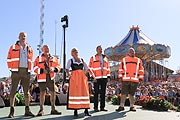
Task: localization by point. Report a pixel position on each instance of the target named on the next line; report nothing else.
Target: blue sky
(91, 23)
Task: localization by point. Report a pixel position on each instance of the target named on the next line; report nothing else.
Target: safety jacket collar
(28, 46)
(44, 55)
(18, 43)
(132, 56)
(102, 55)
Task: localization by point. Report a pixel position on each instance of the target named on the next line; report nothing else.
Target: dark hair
(98, 47)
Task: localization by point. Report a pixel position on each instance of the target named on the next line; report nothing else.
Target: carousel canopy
(135, 36)
(145, 48)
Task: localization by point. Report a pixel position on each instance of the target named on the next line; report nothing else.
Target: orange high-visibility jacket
(95, 66)
(14, 57)
(131, 69)
(39, 67)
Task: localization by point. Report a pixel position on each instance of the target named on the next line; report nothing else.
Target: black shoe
(102, 109)
(75, 113)
(86, 112)
(96, 110)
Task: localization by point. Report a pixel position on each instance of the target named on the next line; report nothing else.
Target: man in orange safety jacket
(46, 66)
(100, 67)
(130, 72)
(19, 62)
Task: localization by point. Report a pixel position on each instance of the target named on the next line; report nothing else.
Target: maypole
(41, 27)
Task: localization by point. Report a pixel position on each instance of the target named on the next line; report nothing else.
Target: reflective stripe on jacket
(13, 57)
(95, 66)
(39, 65)
(131, 69)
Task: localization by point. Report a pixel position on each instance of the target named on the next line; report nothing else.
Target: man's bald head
(131, 52)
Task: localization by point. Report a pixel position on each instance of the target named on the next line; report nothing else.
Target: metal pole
(64, 19)
(64, 55)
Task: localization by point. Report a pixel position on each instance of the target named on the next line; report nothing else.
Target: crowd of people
(5, 88)
(170, 91)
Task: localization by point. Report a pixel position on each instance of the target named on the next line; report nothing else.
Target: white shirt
(101, 61)
(69, 64)
(23, 57)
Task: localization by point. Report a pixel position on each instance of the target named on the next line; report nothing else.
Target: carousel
(154, 55)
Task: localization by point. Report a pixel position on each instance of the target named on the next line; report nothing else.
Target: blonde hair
(73, 50)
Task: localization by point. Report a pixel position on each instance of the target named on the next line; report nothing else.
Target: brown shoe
(55, 112)
(28, 112)
(11, 114)
(40, 113)
(120, 109)
(132, 109)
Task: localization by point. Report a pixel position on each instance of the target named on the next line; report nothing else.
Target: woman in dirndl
(78, 93)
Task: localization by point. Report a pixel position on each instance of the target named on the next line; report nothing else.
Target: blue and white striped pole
(41, 27)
